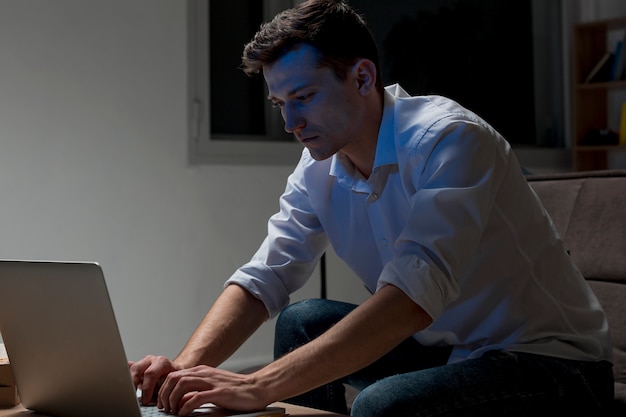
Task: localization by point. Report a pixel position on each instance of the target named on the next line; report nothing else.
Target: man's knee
(303, 321)
(316, 313)
(371, 402)
(298, 311)
(297, 317)
(293, 326)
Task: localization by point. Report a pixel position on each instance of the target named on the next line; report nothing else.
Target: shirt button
(385, 243)
(374, 196)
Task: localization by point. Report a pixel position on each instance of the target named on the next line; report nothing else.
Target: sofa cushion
(589, 210)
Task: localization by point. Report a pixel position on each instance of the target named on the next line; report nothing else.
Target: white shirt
(447, 217)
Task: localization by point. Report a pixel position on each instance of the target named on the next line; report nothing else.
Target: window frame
(207, 148)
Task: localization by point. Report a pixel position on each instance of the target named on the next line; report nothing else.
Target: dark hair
(333, 28)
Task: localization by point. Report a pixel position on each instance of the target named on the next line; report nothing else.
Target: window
(230, 119)
(502, 60)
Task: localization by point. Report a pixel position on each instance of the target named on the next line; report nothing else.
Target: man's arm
(370, 331)
(235, 315)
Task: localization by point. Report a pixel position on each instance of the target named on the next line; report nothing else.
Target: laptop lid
(62, 339)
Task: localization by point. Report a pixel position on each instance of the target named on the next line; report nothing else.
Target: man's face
(323, 112)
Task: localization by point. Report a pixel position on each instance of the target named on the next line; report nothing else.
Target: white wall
(590, 10)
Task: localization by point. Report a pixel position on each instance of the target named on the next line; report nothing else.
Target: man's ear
(364, 72)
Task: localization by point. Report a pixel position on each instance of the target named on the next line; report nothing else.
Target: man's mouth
(304, 140)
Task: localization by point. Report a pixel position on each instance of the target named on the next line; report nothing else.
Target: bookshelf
(590, 100)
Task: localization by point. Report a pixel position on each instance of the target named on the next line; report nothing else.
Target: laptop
(60, 332)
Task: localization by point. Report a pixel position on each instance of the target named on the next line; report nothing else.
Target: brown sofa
(589, 210)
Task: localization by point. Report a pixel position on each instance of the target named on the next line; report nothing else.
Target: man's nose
(293, 120)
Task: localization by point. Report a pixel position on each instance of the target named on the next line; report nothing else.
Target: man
(476, 307)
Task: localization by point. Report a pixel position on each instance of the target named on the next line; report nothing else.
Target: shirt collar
(386, 148)
(347, 175)
(386, 154)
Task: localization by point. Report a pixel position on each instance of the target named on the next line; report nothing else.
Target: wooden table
(292, 410)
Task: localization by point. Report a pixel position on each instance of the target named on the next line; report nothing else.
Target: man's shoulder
(428, 106)
(422, 123)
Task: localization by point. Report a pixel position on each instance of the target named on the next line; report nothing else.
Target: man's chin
(319, 156)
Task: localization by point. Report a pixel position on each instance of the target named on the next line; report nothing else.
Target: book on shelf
(601, 72)
(622, 126)
(619, 62)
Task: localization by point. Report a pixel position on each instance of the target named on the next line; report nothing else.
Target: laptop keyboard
(151, 411)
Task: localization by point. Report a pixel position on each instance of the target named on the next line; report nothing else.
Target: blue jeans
(415, 380)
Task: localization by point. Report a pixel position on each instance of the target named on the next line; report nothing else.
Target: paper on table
(4, 358)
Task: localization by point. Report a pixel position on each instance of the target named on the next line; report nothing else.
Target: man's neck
(364, 163)
(363, 153)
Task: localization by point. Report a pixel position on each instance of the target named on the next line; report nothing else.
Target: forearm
(234, 317)
(362, 337)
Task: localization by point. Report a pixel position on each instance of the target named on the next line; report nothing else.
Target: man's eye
(278, 104)
(305, 97)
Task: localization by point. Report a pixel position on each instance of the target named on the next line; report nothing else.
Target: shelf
(595, 148)
(591, 102)
(615, 23)
(609, 85)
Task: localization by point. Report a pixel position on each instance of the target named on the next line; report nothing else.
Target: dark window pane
(237, 102)
(478, 52)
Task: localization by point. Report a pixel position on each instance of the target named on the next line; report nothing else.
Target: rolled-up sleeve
(288, 255)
